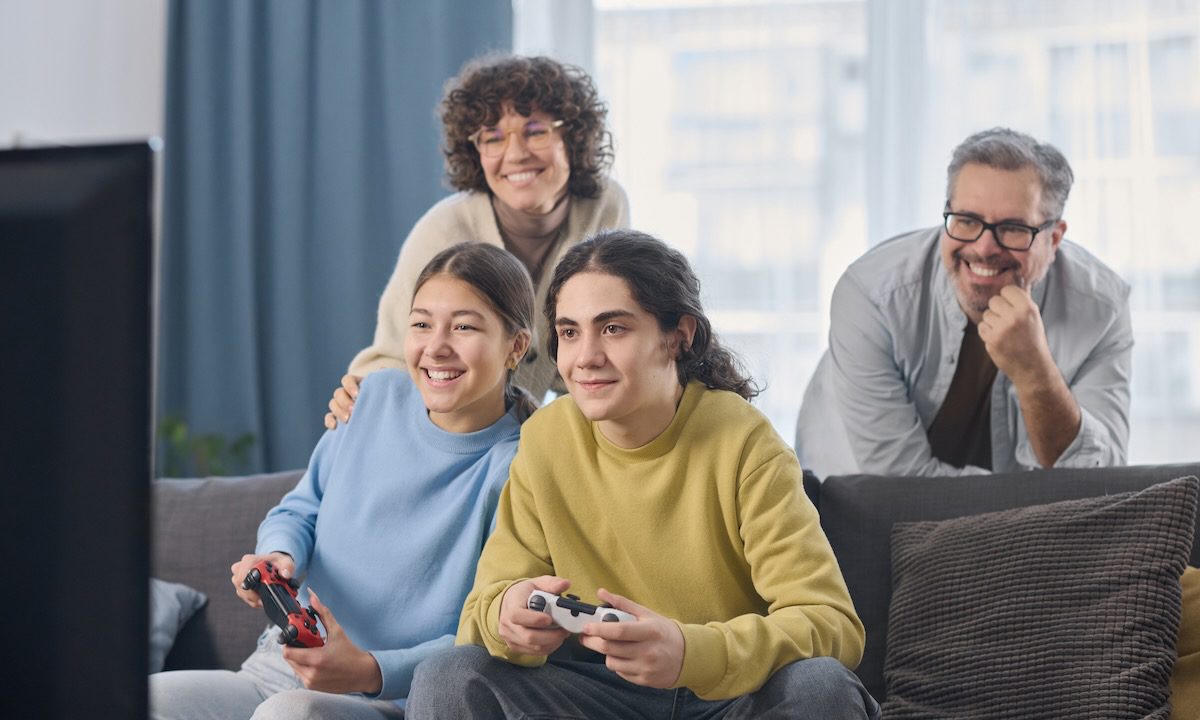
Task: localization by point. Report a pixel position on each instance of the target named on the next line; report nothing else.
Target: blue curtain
(301, 146)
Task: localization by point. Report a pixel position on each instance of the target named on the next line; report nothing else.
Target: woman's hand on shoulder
(282, 561)
(342, 403)
(526, 631)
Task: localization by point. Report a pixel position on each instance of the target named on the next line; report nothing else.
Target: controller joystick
(571, 614)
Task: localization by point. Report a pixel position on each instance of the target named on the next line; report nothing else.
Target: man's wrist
(1040, 376)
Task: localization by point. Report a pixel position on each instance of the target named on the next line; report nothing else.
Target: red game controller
(299, 624)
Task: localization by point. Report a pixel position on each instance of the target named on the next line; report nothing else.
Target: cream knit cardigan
(468, 217)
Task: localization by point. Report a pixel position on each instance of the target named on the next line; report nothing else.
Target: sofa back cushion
(858, 512)
(200, 527)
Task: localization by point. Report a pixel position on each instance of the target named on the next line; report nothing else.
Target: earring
(511, 364)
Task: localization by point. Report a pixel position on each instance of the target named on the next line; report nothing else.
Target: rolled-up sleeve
(1101, 388)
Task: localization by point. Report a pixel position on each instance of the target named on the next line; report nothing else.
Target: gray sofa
(201, 526)
(858, 512)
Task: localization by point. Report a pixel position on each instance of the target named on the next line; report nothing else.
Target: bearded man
(988, 344)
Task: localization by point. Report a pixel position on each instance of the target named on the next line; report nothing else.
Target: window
(773, 142)
(739, 131)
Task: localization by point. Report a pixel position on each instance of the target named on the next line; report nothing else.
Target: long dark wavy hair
(503, 282)
(474, 97)
(664, 285)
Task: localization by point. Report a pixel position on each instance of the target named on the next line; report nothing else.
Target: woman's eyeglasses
(536, 134)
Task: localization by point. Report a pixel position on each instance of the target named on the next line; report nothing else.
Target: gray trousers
(467, 682)
(265, 688)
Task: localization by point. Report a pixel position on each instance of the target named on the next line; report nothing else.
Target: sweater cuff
(704, 658)
(491, 628)
(281, 542)
(396, 667)
(491, 633)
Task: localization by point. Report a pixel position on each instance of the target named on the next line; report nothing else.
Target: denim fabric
(264, 688)
(467, 682)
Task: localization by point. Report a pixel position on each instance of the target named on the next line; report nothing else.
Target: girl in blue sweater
(387, 524)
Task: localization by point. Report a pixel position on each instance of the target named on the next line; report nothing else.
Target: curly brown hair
(474, 97)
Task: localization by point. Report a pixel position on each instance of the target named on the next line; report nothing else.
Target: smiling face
(618, 365)
(531, 181)
(981, 269)
(457, 351)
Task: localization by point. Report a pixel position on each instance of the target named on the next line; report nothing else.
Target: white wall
(75, 71)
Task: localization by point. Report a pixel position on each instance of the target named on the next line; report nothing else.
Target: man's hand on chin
(1012, 331)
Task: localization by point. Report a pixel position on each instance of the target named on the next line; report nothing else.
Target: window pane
(739, 137)
(741, 131)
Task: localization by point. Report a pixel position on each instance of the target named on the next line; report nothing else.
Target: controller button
(537, 602)
(610, 617)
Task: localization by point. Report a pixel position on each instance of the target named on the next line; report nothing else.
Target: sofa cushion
(200, 527)
(171, 606)
(858, 511)
(1057, 610)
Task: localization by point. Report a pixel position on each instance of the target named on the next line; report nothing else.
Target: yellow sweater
(708, 524)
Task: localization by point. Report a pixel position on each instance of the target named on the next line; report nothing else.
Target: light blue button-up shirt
(895, 331)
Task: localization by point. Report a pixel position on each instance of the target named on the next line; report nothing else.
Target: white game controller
(571, 614)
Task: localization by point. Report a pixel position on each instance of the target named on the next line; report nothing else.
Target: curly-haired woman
(526, 147)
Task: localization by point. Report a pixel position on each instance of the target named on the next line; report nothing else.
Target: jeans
(265, 688)
(467, 682)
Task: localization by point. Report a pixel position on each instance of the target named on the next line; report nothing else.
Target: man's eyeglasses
(1010, 235)
(537, 135)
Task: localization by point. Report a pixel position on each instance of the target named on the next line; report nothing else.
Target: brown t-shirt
(532, 238)
(961, 434)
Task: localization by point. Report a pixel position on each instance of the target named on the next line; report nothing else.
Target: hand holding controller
(299, 624)
(571, 614)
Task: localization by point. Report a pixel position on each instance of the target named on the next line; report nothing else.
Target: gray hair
(1006, 149)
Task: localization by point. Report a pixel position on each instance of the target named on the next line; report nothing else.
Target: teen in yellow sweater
(655, 487)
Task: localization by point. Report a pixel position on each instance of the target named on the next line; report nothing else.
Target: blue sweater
(388, 522)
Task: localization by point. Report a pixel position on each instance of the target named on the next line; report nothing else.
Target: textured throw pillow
(1063, 610)
(1185, 678)
(171, 606)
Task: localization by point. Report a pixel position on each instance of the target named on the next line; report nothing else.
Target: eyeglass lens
(493, 141)
(965, 228)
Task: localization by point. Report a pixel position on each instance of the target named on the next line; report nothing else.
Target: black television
(76, 311)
